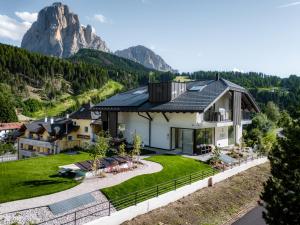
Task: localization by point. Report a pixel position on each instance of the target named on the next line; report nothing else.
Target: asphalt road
(253, 217)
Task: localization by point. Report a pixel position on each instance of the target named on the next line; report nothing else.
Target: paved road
(254, 217)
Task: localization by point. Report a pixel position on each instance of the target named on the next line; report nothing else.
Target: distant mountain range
(58, 32)
(146, 57)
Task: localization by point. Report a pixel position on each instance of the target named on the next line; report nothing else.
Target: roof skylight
(197, 88)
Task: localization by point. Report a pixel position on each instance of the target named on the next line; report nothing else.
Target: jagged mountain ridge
(58, 32)
(146, 57)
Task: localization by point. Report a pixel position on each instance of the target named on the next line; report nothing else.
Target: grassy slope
(35, 177)
(214, 205)
(60, 106)
(173, 167)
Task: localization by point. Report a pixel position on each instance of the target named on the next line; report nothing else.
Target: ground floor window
(205, 136)
(121, 130)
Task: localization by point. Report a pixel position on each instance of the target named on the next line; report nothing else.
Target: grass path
(110, 88)
(35, 177)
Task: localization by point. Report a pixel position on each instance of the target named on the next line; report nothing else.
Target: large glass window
(204, 136)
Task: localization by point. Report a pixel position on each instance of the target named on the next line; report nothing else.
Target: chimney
(46, 120)
(217, 76)
(51, 120)
(67, 116)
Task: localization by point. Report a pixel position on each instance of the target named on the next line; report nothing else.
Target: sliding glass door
(188, 141)
(183, 140)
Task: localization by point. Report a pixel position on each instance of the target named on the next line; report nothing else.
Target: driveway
(253, 217)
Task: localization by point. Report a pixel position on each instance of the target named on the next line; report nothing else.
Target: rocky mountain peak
(58, 32)
(146, 57)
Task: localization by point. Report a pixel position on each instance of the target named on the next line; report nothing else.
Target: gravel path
(37, 215)
(88, 185)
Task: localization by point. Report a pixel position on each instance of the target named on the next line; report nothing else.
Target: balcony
(247, 115)
(218, 116)
(32, 153)
(36, 142)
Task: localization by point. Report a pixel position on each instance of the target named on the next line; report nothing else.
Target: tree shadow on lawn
(38, 183)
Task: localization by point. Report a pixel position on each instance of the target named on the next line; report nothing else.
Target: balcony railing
(247, 115)
(217, 116)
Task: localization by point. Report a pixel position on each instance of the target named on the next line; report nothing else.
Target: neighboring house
(88, 122)
(51, 136)
(180, 116)
(7, 128)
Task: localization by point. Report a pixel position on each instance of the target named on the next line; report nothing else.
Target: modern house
(180, 116)
(51, 136)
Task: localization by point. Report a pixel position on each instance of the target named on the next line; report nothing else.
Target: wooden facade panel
(165, 92)
(237, 114)
(113, 123)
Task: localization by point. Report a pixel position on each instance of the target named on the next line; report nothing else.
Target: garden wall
(164, 199)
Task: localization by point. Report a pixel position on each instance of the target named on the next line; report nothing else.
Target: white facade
(160, 136)
(163, 131)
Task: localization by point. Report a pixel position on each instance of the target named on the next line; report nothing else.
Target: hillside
(70, 103)
(108, 60)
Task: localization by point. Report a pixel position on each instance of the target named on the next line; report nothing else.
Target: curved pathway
(88, 185)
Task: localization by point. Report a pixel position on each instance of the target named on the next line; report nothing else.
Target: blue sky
(246, 35)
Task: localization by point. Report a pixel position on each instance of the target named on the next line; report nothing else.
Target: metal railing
(211, 116)
(107, 207)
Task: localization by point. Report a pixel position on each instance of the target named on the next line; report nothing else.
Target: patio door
(188, 141)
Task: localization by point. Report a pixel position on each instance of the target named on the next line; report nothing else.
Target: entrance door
(187, 141)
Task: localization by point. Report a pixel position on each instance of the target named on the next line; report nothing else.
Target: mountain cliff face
(145, 57)
(58, 32)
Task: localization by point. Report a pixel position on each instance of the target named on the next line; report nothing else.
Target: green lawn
(173, 167)
(35, 177)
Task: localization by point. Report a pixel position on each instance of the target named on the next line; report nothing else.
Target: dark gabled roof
(59, 127)
(84, 112)
(198, 97)
(132, 98)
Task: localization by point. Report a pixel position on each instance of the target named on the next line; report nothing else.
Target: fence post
(157, 191)
(109, 208)
(75, 218)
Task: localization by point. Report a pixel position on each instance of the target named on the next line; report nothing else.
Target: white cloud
(12, 29)
(27, 16)
(289, 4)
(152, 47)
(236, 70)
(100, 18)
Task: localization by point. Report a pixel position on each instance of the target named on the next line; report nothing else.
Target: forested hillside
(41, 83)
(284, 92)
(19, 68)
